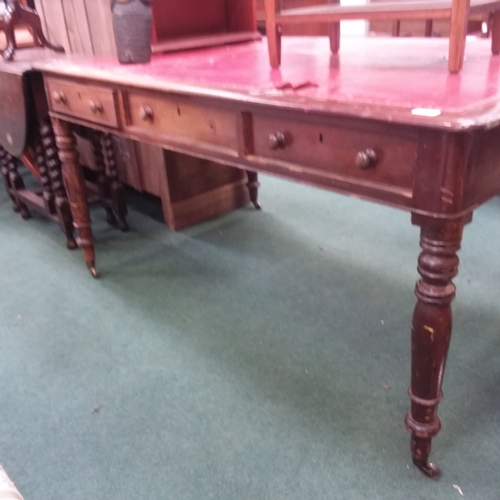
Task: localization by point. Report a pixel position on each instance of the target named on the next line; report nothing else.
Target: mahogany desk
(384, 120)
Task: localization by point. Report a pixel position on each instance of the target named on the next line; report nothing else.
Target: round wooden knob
(146, 113)
(59, 97)
(277, 140)
(95, 107)
(366, 159)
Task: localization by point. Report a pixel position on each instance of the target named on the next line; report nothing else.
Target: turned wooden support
(16, 14)
(13, 182)
(103, 181)
(54, 170)
(6, 180)
(75, 186)
(117, 191)
(431, 332)
(48, 193)
(253, 188)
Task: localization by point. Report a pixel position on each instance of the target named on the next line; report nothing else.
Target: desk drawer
(371, 156)
(182, 119)
(95, 104)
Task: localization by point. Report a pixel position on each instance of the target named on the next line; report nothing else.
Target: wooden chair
(18, 14)
(457, 11)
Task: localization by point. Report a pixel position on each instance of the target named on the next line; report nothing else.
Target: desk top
(402, 80)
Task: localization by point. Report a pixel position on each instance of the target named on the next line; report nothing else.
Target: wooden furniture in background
(378, 27)
(17, 14)
(85, 27)
(309, 29)
(418, 139)
(457, 11)
(186, 24)
(26, 133)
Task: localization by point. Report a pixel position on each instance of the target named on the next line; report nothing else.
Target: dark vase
(133, 25)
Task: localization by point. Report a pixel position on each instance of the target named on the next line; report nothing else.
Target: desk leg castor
(428, 469)
(92, 269)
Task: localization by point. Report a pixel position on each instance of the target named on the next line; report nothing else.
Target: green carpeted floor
(257, 356)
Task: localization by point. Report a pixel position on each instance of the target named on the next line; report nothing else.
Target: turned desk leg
(13, 182)
(103, 181)
(253, 188)
(431, 332)
(75, 186)
(54, 170)
(117, 191)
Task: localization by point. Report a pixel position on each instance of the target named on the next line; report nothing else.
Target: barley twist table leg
(54, 169)
(117, 192)
(13, 182)
(103, 181)
(6, 179)
(54, 192)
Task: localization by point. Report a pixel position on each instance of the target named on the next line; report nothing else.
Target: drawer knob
(277, 140)
(59, 97)
(366, 159)
(95, 107)
(146, 113)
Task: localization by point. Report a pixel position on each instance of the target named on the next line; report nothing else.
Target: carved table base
(52, 201)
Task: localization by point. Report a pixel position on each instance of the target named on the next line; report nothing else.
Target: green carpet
(262, 355)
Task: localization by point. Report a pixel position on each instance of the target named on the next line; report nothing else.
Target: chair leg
(495, 33)
(117, 193)
(428, 27)
(273, 32)
(396, 28)
(334, 35)
(458, 32)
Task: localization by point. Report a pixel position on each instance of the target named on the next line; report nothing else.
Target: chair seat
(420, 9)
